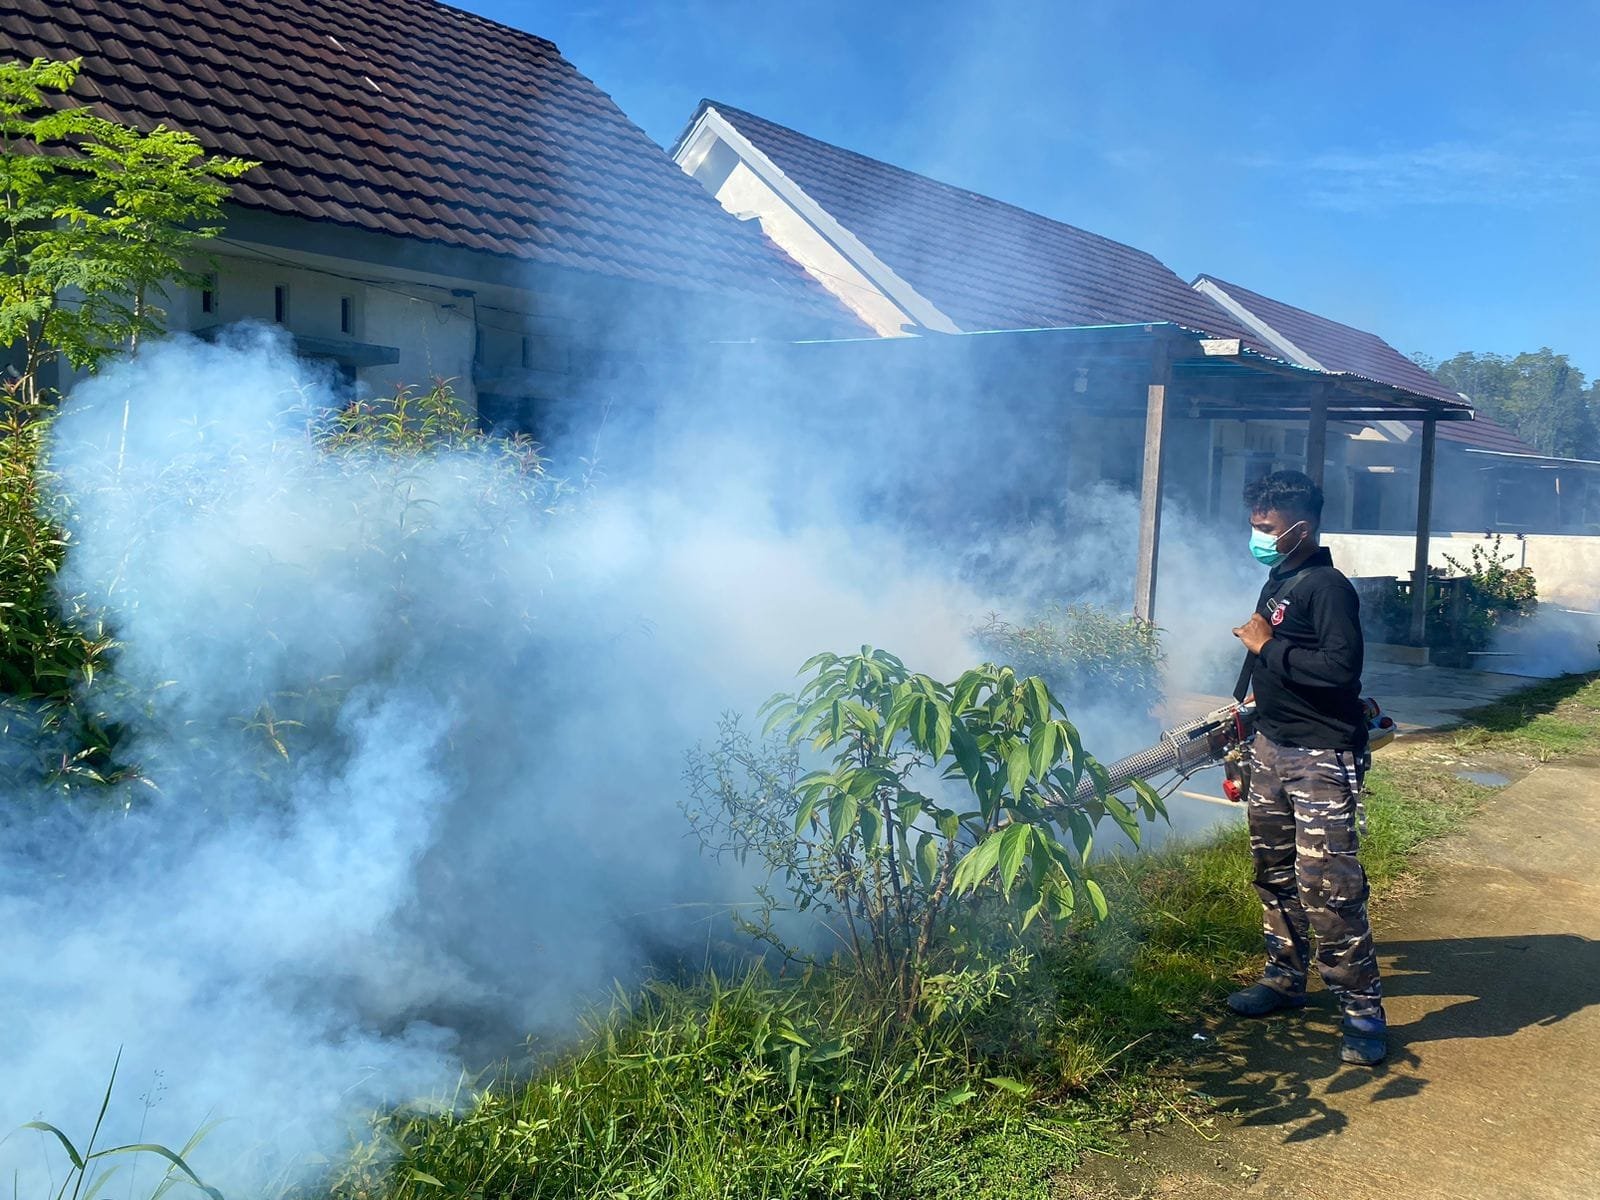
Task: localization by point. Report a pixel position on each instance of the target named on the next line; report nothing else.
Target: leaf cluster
(1082, 651)
(933, 800)
(96, 217)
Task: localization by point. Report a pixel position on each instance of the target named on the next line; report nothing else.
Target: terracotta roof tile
(417, 119)
(984, 263)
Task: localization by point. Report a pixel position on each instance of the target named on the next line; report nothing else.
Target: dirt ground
(1492, 1089)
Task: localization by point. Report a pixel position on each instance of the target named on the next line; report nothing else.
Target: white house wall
(435, 342)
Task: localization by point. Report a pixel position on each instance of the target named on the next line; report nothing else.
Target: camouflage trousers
(1302, 817)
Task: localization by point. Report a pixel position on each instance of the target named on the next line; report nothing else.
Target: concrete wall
(1567, 568)
(432, 329)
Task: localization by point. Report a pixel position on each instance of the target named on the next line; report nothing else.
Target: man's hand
(1254, 633)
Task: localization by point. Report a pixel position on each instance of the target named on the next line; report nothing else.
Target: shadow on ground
(1285, 1071)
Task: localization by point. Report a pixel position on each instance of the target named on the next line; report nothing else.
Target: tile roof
(414, 119)
(984, 263)
(1338, 347)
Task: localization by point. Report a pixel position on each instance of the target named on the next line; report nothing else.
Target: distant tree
(1538, 395)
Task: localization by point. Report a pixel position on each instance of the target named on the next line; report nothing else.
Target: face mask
(1265, 547)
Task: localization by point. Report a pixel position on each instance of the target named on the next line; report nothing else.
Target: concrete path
(1493, 1086)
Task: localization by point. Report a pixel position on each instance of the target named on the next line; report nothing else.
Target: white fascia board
(1208, 287)
(713, 125)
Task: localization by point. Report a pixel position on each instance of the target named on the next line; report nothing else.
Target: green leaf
(1096, 898)
(1043, 749)
(1150, 800)
(1006, 1084)
(1036, 699)
(1014, 843)
(1018, 768)
(942, 730)
(956, 1097)
(808, 809)
(968, 756)
(871, 824)
(927, 859)
(780, 713)
(842, 813)
(66, 1142)
(975, 866)
(1082, 833)
(424, 1177)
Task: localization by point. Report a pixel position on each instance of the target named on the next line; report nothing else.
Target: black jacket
(1307, 677)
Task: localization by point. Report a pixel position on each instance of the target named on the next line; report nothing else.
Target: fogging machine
(1221, 737)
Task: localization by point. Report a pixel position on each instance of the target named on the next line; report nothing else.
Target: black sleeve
(1335, 661)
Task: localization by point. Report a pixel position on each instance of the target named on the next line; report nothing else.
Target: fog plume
(417, 746)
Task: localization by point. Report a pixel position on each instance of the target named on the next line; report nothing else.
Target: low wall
(1566, 566)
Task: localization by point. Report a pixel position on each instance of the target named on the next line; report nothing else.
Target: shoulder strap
(1247, 671)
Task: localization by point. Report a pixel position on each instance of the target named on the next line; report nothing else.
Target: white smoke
(484, 830)
(477, 827)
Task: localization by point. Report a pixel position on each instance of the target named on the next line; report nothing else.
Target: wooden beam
(1419, 568)
(1150, 485)
(1317, 435)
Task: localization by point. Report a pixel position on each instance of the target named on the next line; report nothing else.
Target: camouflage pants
(1302, 817)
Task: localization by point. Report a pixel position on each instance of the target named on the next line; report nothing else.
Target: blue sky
(1427, 170)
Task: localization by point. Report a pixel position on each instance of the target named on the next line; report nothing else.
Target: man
(1309, 753)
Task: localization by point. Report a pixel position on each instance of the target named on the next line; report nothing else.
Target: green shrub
(879, 862)
(1083, 652)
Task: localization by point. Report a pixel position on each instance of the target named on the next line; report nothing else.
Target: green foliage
(1495, 585)
(87, 1175)
(98, 218)
(1539, 395)
(57, 653)
(731, 1090)
(863, 845)
(1464, 611)
(1085, 653)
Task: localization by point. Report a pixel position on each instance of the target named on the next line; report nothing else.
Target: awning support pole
(1150, 485)
(1317, 435)
(1419, 570)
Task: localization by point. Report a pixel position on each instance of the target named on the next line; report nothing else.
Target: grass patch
(798, 1089)
(748, 1088)
(1552, 719)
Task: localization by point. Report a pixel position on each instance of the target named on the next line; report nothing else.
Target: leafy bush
(863, 845)
(1083, 652)
(1497, 587)
(1465, 610)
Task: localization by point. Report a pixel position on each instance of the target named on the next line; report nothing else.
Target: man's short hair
(1293, 493)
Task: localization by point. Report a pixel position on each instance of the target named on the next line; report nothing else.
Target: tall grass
(733, 1089)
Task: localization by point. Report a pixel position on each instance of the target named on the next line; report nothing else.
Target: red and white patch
(1277, 613)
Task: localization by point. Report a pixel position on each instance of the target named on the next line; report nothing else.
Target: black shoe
(1262, 999)
(1363, 1041)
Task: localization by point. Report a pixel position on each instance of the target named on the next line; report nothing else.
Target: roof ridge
(968, 193)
